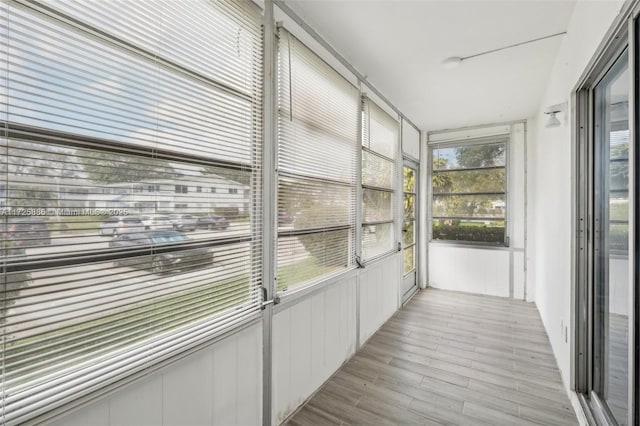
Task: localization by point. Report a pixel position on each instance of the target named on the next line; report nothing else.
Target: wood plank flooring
(448, 359)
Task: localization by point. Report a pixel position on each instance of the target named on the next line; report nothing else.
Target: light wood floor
(448, 359)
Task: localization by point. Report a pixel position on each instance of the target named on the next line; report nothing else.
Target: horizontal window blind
(317, 143)
(380, 138)
(130, 204)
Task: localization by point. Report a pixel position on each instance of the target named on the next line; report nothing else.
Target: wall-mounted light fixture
(551, 111)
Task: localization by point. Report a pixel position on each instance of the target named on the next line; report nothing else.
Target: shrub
(485, 234)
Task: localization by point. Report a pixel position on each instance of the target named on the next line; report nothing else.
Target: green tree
(487, 174)
(619, 166)
(106, 167)
(485, 155)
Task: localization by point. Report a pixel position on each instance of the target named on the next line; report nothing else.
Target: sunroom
(318, 212)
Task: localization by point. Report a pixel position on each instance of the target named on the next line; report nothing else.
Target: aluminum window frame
(472, 141)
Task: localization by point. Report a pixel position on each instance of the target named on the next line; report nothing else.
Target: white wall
(469, 269)
(219, 385)
(551, 180)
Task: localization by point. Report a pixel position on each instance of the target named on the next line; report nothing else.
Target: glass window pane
(306, 257)
(469, 206)
(618, 208)
(383, 138)
(469, 156)
(318, 123)
(409, 180)
(312, 204)
(611, 283)
(469, 230)
(178, 34)
(408, 259)
(408, 232)
(110, 239)
(465, 181)
(74, 196)
(377, 171)
(376, 205)
(377, 240)
(409, 206)
(85, 86)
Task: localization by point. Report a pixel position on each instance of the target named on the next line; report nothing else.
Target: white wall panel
(301, 338)
(225, 386)
(188, 391)
(311, 339)
(137, 405)
(249, 379)
(96, 414)
(221, 384)
(474, 270)
(379, 290)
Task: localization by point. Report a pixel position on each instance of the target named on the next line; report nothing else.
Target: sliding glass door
(610, 347)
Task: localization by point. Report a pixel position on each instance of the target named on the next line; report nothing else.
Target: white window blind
(410, 140)
(380, 136)
(317, 143)
(115, 115)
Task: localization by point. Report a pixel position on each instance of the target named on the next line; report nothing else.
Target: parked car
(116, 225)
(27, 231)
(183, 222)
(170, 253)
(156, 222)
(212, 222)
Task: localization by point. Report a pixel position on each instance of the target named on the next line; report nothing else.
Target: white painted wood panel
(187, 390)
(137, 405)
(474, 270)
(225, 384)
(379, 294)
(96, 414)
(311, 339)
(220, 384)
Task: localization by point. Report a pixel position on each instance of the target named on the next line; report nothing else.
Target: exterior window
(198, 189)
(233, 190)
(318, 113)
(102, 281)
(469, 184)
(213, 189)
(379, 151)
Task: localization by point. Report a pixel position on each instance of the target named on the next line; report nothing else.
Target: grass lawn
(300, 272)
(122, 327)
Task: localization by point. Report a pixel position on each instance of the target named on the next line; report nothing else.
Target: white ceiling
(400, 45)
